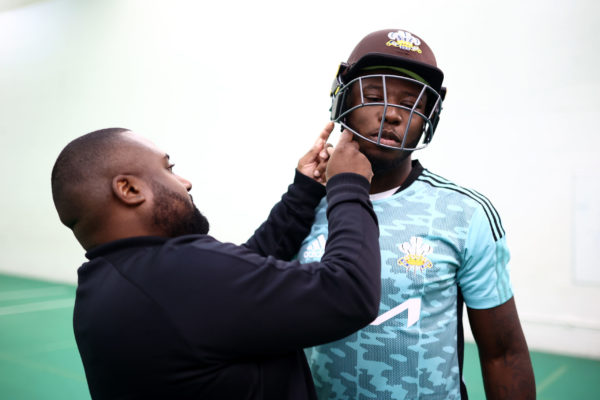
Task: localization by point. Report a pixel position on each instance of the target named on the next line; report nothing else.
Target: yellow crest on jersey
(415, 254)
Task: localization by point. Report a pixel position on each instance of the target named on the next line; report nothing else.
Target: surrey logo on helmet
(404, 40)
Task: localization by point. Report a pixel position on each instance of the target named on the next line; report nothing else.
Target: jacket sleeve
(289, 221)
(239, 303)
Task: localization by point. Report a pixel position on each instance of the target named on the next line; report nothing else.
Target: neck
(391, 178)
(116, 225)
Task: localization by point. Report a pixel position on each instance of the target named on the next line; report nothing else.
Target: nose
(185, 182)
(393, 115)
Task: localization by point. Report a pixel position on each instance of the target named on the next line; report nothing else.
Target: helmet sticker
(404, 40)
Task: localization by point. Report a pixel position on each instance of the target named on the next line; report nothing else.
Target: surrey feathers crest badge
(405, 41)
(415, 254)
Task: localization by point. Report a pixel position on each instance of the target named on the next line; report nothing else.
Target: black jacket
(194, 318)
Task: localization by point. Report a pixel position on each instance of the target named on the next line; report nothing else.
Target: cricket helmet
(408, 58)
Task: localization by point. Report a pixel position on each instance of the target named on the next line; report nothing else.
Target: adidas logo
(316, 248)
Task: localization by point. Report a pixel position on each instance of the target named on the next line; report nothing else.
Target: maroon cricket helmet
(394, 48)
(409, 58)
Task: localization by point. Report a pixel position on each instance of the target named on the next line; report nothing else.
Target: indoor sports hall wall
(236, 92)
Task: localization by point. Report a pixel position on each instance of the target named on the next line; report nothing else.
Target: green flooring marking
(551, 379)
(34, 293)
(41, 367)
(39, 357)
(38, 306)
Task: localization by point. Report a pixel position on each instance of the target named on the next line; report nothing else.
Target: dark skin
(126, 209)
(391, 167)
(503, 353)
(119, 203)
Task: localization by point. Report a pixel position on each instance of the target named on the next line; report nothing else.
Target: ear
(129, 189)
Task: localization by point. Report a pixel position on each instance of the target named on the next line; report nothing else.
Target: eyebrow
(404, 91)
(372, 86)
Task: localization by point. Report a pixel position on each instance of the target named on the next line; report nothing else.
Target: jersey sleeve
(484, 275)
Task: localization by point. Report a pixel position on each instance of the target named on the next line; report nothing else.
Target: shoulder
(452, 194)
(143, 253)
(204, 247)
(445, 186)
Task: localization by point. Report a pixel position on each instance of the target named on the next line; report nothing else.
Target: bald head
(112, 184)
(76, 176)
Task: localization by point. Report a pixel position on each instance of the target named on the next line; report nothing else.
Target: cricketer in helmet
(442, 246)
(390, 73)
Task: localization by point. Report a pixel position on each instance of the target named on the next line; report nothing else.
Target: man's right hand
(347, 158)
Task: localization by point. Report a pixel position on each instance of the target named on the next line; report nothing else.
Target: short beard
(382, 166)
(175, 215)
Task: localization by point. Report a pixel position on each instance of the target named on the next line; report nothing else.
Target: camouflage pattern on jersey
(435, 237)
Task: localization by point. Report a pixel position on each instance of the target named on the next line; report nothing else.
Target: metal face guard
(341, 109)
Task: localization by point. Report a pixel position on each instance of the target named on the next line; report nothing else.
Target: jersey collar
(415, 172)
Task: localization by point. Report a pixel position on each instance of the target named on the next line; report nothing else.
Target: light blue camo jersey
(439, 242)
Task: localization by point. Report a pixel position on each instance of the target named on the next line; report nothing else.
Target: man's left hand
(313, 163)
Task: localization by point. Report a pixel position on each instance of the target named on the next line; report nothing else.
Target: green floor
(39, 359)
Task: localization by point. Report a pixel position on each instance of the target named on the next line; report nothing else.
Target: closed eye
(373, 99)
(410, 103)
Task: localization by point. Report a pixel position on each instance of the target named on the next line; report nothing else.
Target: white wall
(236, 92)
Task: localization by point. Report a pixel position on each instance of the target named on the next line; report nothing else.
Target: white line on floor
(37, 306)
(33, 293)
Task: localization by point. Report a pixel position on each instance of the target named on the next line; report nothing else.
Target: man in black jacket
(165, 311)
